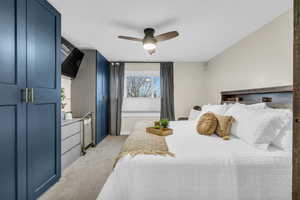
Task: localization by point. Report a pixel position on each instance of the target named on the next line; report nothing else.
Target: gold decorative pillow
(224, 126)
(207, 124)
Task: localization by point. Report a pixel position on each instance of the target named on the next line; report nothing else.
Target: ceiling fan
(150, 41)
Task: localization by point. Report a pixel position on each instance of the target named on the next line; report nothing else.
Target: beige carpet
(84, 179)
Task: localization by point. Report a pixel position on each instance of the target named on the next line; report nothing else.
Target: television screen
(71, 64)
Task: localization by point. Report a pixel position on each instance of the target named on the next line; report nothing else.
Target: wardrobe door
(99, 98)
(12, 110)
(43, 114)
(106, 94)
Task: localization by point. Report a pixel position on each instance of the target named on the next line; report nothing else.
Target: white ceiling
(206, 27)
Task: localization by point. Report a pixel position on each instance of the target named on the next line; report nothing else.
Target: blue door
(30, 130)
(12, 110)
(106, 96)
(101, 97)
(43, 114)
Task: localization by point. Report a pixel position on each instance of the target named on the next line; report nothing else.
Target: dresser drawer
(71, 129)
(70, 142)
(70, 156)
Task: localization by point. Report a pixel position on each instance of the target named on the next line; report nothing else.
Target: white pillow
(219, 109)
(258, 127)
(254, 106)
(284, 140)
(258, 106)
(194, 114)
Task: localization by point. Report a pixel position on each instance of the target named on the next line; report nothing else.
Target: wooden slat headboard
(275, 97)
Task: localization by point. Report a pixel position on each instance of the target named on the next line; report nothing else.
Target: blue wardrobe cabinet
(29, 98)
(90, 92)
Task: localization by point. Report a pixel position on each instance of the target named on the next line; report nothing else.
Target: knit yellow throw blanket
(141, 142)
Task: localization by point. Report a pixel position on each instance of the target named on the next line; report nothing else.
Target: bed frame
(275, 97)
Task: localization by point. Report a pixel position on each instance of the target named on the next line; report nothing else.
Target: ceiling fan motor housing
(149, 32)
(149, 36)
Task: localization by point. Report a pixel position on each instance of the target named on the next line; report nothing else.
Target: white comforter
(205, 168)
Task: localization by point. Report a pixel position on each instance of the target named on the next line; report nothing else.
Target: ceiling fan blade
(166, 36)
(130, 38)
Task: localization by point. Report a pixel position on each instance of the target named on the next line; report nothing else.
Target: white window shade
(141, 91)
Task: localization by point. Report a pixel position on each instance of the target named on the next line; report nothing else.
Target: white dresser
(71, 139)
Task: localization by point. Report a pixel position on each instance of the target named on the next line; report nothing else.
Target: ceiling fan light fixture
(149, 46)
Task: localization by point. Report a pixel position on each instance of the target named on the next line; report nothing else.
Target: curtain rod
(139, 61)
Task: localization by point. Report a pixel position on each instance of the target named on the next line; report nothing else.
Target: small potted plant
(62, 97)
(164, 123)
(63, 104)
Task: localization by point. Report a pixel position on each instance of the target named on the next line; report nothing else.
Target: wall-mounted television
(71, 58)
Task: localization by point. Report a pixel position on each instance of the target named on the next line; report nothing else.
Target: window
(142, 86)
(141, 90)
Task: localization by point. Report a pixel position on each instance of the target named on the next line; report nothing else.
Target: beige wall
(262, 59)
(189, 86)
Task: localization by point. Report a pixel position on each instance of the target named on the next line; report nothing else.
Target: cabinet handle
(27, 95)
(30, 95)
(24, 95)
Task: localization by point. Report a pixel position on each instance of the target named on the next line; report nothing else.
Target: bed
(205, 167)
